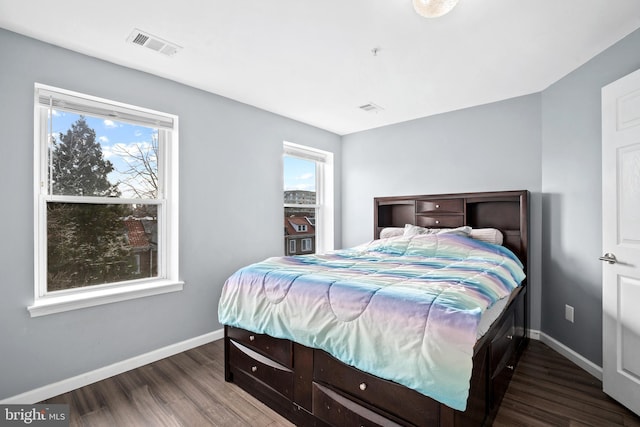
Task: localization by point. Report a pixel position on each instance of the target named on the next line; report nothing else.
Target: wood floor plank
(210, 384)
(188, 390)
(99, 418)
(555, 391)
(151, 409)
(630, 420)
(513, 414)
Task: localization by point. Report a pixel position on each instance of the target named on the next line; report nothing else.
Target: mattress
(490, 315)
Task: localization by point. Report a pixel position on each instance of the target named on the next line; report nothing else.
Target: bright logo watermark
(34, 415)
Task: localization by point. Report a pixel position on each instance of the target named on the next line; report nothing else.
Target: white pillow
(414, 230)
(387, 232)
(489, 235)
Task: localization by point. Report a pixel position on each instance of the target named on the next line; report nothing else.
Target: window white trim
(167, 202)
(324, 192)
(90, 297)
(66, 100)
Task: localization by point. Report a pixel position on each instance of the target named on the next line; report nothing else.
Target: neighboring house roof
(291, 224)
(151, 229)
(136, 234)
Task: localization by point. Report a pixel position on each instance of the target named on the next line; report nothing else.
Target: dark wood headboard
(505, 210)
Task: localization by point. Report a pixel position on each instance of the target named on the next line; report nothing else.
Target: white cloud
(300, 186)
(110, 124)
(120, 153)
(103, 139)
(107, 151)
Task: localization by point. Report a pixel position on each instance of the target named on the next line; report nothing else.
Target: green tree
(86, 243)
(78, 164)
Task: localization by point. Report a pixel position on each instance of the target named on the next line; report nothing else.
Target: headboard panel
(505, 210)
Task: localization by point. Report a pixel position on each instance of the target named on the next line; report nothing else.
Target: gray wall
(548, 143)
(572, 207)
(230, 211)
(486, 148)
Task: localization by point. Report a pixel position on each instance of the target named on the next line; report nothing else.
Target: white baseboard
(64, 386)
(565, 351)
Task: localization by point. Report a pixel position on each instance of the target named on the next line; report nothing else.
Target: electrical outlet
(568, 312)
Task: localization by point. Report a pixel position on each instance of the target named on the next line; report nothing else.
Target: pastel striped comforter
(405, 308)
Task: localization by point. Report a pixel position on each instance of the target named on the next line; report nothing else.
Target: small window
(292, 246)
(308, 194)
(137, 258)
(306, 245)
(106, 201)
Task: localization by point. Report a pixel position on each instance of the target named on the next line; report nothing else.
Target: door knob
(608, 257)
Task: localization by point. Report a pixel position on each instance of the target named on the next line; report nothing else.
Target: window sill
(90, 298)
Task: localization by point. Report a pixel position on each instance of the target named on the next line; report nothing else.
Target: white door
(621, 240)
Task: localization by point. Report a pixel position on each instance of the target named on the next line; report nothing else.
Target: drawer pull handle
(437, 206)
(252, 338)
(437, 221)
(363, 386)
(509, 337)
(510, 367)
(254, 368)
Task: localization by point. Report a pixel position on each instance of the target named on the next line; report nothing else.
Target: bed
(421, 326)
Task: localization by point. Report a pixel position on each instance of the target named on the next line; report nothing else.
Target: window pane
(299, 225)
(89, 156)
(93, 244)
(299, 181)
(299, 189)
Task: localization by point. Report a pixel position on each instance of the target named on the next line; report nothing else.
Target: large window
(106, 201)
(308, 199)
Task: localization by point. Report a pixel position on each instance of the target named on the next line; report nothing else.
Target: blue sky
(115, 139)
(299, 174)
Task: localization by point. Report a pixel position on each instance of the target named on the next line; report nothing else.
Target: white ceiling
(313, 60)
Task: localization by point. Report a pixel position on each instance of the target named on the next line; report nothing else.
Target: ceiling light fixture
(433, 8)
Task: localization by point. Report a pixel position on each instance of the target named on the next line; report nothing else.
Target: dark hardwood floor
(549, 390)
(189, 390)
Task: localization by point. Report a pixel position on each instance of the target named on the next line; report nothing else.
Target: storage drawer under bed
(503, 344)
(272, 374)
(276, 349)
(386, 395)
(337, 410)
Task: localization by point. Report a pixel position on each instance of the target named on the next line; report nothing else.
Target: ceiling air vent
(152, 42)
(371, 107)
